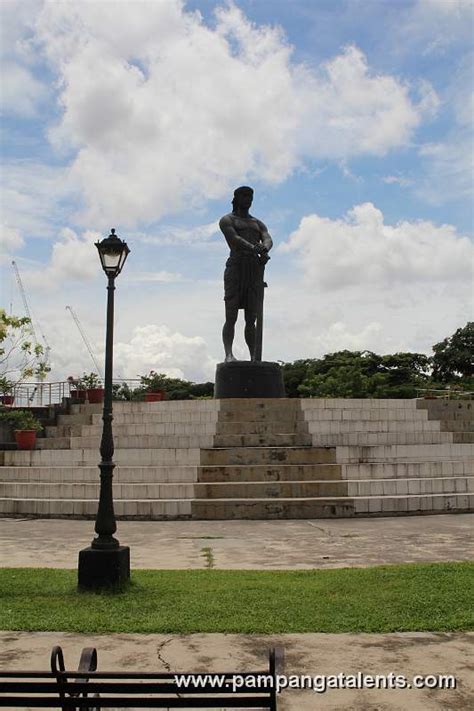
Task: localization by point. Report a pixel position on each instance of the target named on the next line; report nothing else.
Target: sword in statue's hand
(263, 257)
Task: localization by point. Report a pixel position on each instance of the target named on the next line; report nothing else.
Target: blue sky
(351, 119)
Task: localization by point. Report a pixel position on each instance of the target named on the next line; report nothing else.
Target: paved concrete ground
(263, 545)
(322, 543)
(409, 654)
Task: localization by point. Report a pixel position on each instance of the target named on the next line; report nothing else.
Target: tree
(362, 374)
(20, 356)
(454, 357)
(294, 374)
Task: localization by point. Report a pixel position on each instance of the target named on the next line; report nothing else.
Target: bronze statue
(249, 244)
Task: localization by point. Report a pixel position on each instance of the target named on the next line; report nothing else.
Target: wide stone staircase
(259, 459)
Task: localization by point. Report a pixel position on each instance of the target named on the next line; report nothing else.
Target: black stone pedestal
(99, 568)
(244, 378)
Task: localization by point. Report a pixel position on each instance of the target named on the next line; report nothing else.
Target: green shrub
(21, 420)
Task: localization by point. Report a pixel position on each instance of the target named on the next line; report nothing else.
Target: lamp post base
(100, 568)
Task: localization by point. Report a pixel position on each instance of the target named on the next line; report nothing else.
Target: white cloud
(10, 240)
(161, 276)
(448, 169)
(351, 110)
(73, 258)
(198, 234)
(449, 173)
(158, 348)
(20, 92)
(361, 284)
(397, 180)
(32, 195)
(140, 345)
(361, 249)
(338, 337)
(437, 24)
(154, 110)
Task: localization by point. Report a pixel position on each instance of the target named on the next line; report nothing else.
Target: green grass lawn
(436, 597)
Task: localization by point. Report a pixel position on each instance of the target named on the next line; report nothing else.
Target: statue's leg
(250, 318)
(228, 331)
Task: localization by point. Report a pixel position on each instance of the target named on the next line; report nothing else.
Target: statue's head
(243, 197)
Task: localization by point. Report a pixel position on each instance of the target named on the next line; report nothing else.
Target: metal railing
(445, 394)
(40, 394)
(43, 394)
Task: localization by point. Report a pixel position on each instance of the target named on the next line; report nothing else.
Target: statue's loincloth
(243, 281)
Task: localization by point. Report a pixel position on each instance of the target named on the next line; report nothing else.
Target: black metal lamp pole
(105, 562)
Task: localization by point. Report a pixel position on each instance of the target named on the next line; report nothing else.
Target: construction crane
(47, 349)
(85, 339)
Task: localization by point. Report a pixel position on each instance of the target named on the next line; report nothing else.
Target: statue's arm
(233, 239)
(266, 239)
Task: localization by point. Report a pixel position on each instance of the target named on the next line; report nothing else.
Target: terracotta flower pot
(25, 439)
(95, 395)
(78, 394)
(155, 397)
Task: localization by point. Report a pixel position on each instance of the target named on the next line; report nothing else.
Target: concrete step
(151, 418)
(289, 415)
(270, 490)
(239, 404)
(133, 491)
(372, 426)
(407, 470)
(54, 443)
(463, 437)
(365, 415)
(86, 409)
(265, 427)
(78, 474)
(318, 489)
(302, 508)
(402, 487)
(269, 472)
(270, 508)
(454, 416)
(460, 425)
(148, 510)
(413, 504)
(128, 491)
(337, 403)
(126, 430)
(404, 453)
(129, 442)
(268, 455)
(166, 406)
(314, 508)
(382, 438)
(446, 408)
(263, 440)
(83, 457)
(257, 473)
(75, 419)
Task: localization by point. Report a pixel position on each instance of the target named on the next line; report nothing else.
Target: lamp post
(105, 562)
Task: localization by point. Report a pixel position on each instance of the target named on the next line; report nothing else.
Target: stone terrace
(258, 459)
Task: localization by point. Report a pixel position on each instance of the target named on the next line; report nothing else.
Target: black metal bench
(89, 689)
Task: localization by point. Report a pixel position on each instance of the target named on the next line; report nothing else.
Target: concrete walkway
(407, 654)
(263, 545)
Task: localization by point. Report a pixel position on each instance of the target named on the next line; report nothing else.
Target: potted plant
(6, 386)
(94, 390)
(25, 426)
(76, 390)
(154, 386)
